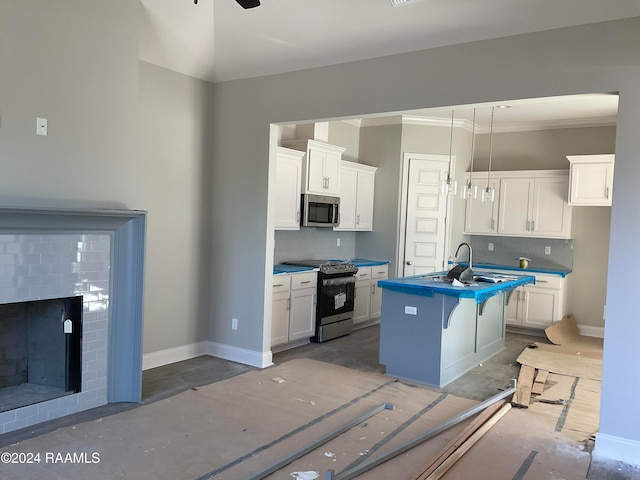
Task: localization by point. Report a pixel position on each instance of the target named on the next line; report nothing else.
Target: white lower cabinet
(368, 298)
(540, 305)
(293, 310)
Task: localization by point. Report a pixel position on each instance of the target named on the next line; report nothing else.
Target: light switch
(41, 126)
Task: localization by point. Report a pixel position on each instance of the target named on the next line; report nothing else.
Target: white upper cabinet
(287, 188)
(356, 196)
(481, 218)
(320, 166)
(534, 203)
(591, 179)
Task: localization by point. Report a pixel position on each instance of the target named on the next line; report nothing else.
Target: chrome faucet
(470, 253)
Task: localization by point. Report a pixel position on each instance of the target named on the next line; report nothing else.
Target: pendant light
(489, 193)
(470, 191)
(449, 186)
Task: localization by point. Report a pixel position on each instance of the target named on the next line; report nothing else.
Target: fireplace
(74, 271)
(40, 351)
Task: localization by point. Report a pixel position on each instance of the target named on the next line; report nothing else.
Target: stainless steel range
(336, 293)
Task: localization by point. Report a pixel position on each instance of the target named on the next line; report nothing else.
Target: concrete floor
(358, 351)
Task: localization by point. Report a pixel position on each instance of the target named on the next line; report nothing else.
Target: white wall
(583, 59)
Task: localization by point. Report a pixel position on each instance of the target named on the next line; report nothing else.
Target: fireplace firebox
(40, 351)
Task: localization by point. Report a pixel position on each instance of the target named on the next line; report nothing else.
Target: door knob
(409, 263)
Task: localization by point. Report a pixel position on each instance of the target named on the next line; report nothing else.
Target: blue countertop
(363, 262)
(429, 285)
(518, 270)
(282, 268)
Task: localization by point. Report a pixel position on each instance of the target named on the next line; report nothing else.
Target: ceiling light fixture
(470, 190)
(248, 3)
(400, 3)
(449, 186)
(489, 193)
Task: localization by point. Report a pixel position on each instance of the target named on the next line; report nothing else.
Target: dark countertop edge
(549, 271)
(479, 294)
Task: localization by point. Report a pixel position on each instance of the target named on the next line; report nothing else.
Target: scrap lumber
(470, 442)
(522, 397)
(538, 383)
(429, 467)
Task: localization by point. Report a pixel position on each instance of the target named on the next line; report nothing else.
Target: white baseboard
(591, 331)
(172, 355)
(240, 355)
(616, 448)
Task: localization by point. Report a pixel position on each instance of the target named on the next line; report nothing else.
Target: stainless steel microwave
(320, 210)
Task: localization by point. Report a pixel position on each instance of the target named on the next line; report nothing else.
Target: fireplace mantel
(126, 230)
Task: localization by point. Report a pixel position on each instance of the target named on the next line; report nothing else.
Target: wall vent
(400, 3)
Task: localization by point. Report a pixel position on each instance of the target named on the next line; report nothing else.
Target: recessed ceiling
(218, 40)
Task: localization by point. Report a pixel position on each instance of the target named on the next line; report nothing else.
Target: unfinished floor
(357, 352)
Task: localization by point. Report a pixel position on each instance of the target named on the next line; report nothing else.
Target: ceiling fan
(243, 3)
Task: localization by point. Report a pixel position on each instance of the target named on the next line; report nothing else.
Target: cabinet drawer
(364, 273)
(548, 281)
(380, 271)
(281, 283)
(304, 280)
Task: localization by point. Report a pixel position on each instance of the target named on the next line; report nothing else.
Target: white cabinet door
(380, 272)
(482, 217)
(332, 162)
(287, 189)
(316, 178)
(357, 183)
(280, 318)
(362, 301)
(551, 213)
(512, 315)
(302, 314)
(539, 307)
(591, 179)
(364, 200)
(348, 187)
(320, 166)
(516, 195)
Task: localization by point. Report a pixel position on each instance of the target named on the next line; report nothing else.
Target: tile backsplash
(311, 243)
(506, 251)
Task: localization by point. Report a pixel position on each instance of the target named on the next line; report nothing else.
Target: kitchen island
(432, 332)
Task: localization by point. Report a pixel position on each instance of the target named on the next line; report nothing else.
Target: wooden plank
(522, 397)
(473, 426)
(470, 442)
(538, 384)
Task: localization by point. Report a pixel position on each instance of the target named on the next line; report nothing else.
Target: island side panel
(491, 328)
(459, 341)
(410, 345)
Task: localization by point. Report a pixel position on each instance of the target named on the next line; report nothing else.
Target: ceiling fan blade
(249, 3)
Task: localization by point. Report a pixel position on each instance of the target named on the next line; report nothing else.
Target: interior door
(426, 212)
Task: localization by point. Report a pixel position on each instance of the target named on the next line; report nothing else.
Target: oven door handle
(326, 282)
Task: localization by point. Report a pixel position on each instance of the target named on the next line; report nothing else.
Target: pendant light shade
(470, 191)
(489, 193)
(449, 186)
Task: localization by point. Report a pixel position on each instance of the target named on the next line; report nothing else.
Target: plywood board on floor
(235, 427)
(564, 360)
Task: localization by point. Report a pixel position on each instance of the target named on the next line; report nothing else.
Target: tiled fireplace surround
(99, 254)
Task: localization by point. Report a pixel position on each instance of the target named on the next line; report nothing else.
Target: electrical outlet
(547, 250)
(337, 242)
(408, 310)
(234, 324)
(41, 126)
(490, 247)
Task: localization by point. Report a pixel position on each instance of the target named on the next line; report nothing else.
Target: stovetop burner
(328, 267)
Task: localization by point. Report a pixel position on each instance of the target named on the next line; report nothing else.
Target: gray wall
(77, 66)
(573, 60)
(173, 186)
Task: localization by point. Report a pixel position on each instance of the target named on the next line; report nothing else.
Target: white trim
(590, 331)
(617, 448)
(173, 355)
(240, 355)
